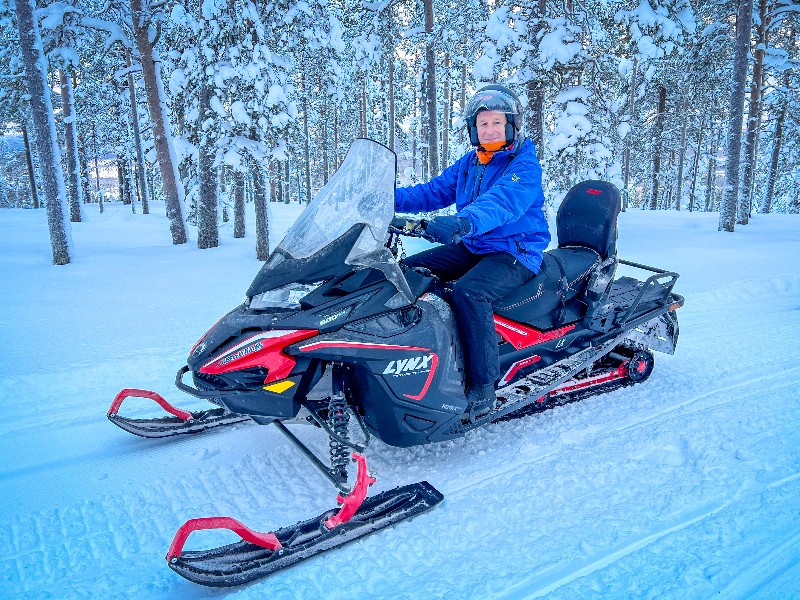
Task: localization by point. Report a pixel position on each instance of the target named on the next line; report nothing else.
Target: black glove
(448, 229)
(399, 222)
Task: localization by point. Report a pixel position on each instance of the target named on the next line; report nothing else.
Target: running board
(539, 383)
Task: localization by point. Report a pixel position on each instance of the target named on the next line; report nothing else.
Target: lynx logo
(408, 365)
(561, 342)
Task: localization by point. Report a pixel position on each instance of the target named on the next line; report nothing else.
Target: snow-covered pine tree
(18, 172)
(730, 199)
(655, 32)
(32, 52)
(147, 18)
(60, 30)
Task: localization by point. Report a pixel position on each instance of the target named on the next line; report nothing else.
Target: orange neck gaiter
(486, 151)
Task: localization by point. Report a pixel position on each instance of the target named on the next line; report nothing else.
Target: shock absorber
(338, 421)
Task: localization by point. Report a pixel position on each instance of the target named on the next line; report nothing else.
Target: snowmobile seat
(576, 276)
(553, 297)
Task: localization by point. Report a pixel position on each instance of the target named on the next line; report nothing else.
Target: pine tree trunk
(74, 189)
(123, 189)
(362, 112)
(744, 25)
(423, 118)
(414, 131)
(446, 113)
(335, 140)
(745, 194)
(365, 107)
(535, 113)
(83, 168)
(261, 199)
(137, 136)
(29, 161)
(696, 166)
(96, 162)
(681, 160)
(627, 159)
(273, 196)
(777, 139)
(299, 188)
(306, 149)
(207, 229)
(133, 184)
(430, 92)
(324, 129)
(287, 196)
(162, 136)
(463, 87)
(238, 205)
(712, 167)
(391, 99)
(759, 131)
(45, 127)
(657, 144)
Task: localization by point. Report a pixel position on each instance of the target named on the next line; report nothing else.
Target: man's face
(491, 126)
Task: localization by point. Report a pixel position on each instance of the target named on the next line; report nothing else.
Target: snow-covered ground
(685, 487)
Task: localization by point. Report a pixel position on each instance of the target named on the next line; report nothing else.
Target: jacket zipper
(476, 188)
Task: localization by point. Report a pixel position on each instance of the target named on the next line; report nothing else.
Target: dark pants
(481, 279)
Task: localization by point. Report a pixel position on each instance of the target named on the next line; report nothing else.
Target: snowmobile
(337, 333)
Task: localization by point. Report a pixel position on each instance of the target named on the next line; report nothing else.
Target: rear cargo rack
(653, 285)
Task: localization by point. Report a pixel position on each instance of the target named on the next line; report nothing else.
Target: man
(494, 242)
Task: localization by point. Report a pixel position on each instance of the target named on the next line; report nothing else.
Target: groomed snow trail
(687, 486)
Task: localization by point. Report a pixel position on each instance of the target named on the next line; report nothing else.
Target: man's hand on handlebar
(409, 227)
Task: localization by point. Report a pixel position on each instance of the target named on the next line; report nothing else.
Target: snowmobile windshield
(344, 226)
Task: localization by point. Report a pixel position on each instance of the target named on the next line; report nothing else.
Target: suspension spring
(338, 421)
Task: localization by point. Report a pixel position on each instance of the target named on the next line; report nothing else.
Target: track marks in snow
(668, 443)
(542, 506)
(568, 440)
(742, 391)
(105, 541)
(567, 573)
(767, 565)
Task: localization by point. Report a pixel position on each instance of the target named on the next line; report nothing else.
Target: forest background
(204, 108)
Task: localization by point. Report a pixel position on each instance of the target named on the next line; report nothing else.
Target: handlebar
(409, 227)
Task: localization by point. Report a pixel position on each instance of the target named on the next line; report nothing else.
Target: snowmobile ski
(181, 421)
(261, 554)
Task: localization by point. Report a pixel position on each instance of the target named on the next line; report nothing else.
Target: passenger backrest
(588, 217)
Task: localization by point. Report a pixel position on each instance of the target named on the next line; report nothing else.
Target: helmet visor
(491, 100)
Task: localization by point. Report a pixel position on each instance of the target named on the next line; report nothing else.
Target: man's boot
(480, 401)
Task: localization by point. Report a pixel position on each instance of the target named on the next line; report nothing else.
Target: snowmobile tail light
(287, 296)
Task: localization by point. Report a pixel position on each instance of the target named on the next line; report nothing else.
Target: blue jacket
(503, 202)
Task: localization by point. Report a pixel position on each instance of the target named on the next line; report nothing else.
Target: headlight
(288, 296)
